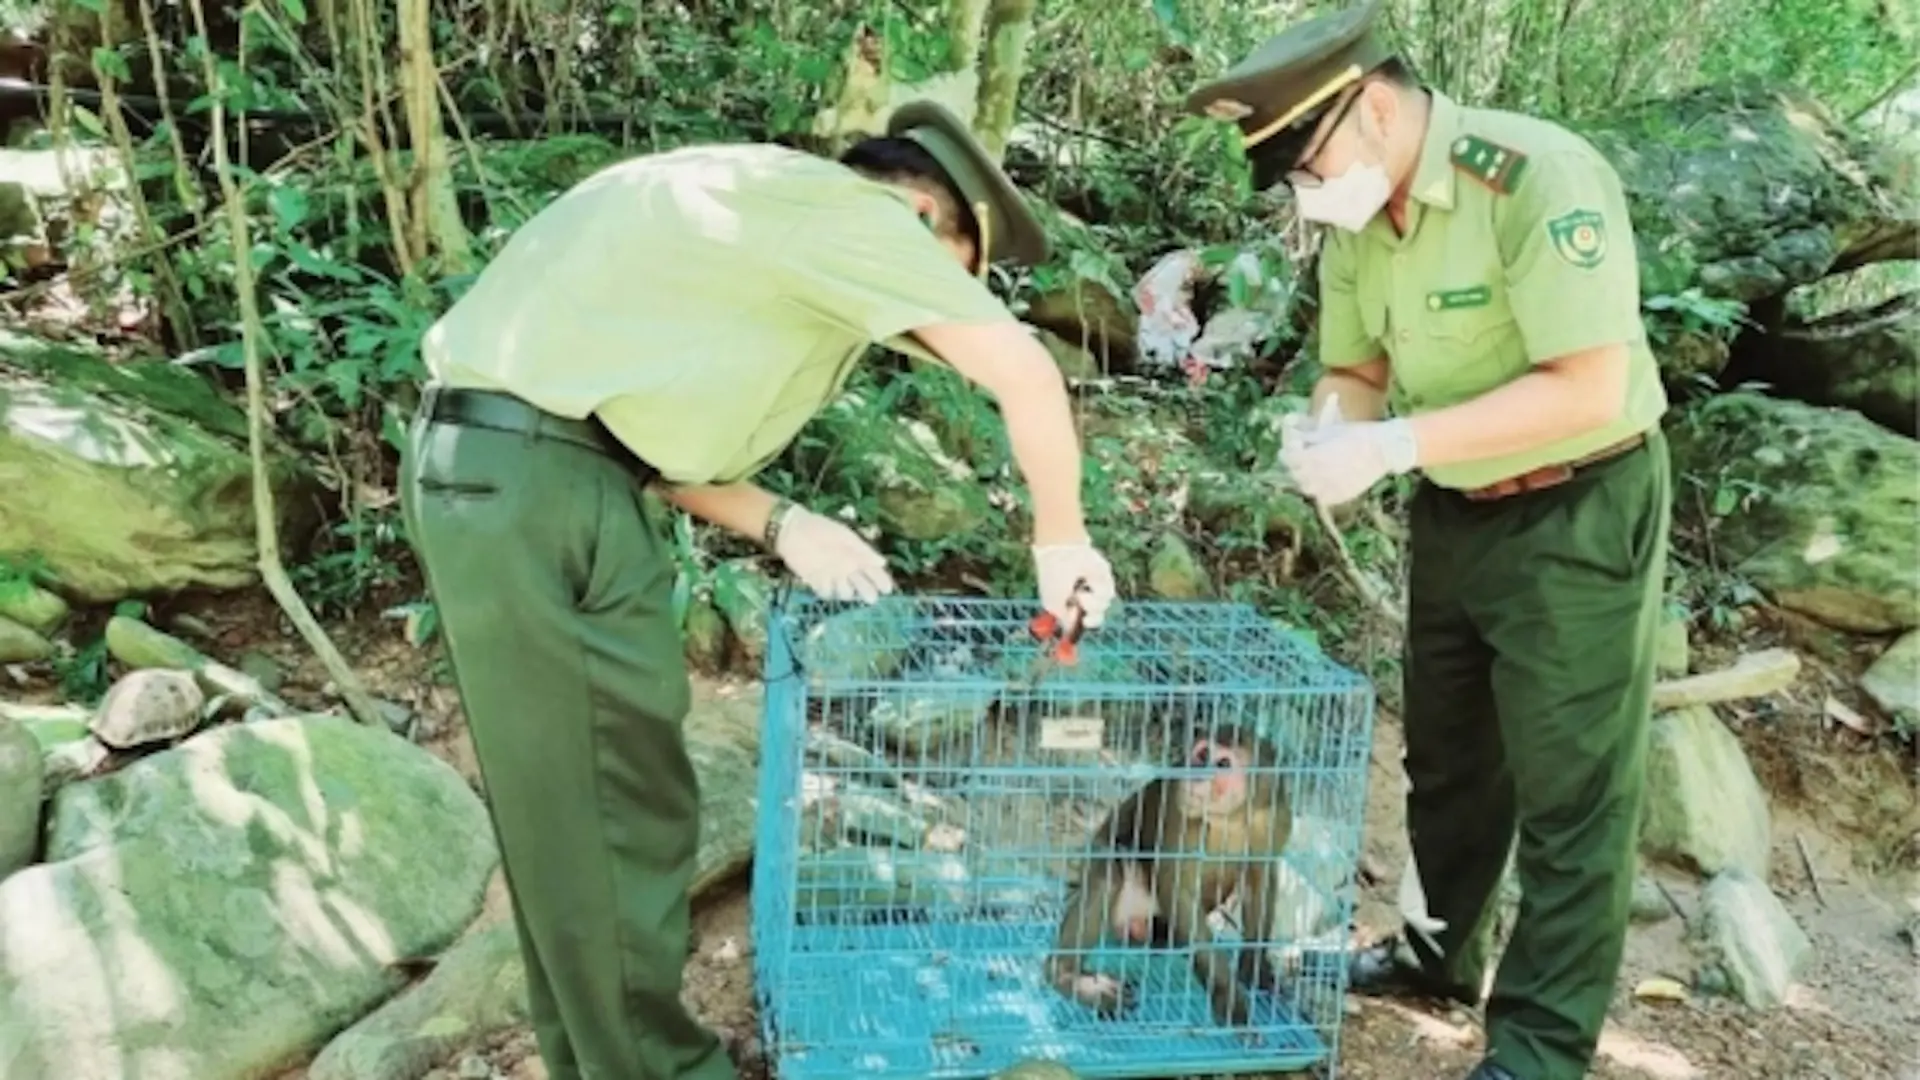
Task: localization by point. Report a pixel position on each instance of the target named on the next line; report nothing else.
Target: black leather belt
(503, 412)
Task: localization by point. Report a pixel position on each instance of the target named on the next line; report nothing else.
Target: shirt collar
(1434, 178)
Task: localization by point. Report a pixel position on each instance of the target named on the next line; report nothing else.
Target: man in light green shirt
(1479, 282)
(675, 320)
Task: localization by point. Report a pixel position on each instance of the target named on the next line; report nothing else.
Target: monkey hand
(830, 558)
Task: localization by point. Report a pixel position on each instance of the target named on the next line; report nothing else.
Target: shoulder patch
(1496, 166)
(1579, 237)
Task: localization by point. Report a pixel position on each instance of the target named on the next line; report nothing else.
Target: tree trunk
(434, 220)
(966, 21)
(1009, 26)
(1867, 360)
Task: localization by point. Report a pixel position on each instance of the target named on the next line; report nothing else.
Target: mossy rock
(131, 478)
(1175, 573)
(1828, 531)
(269, 876)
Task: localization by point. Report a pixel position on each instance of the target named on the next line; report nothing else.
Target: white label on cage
(1072, 732)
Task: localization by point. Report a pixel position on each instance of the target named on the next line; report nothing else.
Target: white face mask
(1347, 201)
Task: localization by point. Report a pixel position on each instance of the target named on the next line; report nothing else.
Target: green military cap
(1008, 228)
(1279, 93)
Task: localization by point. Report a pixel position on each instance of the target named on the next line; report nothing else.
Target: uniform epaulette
(1494, 165)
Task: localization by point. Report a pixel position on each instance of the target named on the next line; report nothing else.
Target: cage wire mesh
(929, 788)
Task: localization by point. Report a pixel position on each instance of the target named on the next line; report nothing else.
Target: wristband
(776, 519)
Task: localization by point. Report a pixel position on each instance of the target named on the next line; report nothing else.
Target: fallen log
(1753, 675)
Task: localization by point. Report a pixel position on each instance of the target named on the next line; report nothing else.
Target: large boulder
(1819, 506)
(1894, 679)
(1749, 189)
(922, 489)
(219, 908)
(1086, 314)
(19, 645)
(1749, 944)
(478, 988)
(131, 478)
(1705, 808)
(1867, 360)
(19, 796)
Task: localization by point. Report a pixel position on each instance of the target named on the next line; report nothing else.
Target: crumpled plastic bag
(1164, 296)
(1172, 335)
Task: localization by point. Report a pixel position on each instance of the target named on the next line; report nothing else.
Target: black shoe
(1387, 970)
(1487, 1070)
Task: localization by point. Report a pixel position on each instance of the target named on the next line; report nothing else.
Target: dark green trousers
(554, 597)
(1529, 674)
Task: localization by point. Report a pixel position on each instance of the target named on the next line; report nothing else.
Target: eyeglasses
(1298, 178)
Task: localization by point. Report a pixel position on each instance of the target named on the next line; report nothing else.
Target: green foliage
(1703, 502)
(1102, 134)
(20, 575)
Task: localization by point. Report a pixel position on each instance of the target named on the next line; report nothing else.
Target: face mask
(1347, 201)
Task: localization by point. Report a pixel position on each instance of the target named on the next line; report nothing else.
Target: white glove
(1336, 461)
(830, 558)
(1299, 429)
(1060, 568)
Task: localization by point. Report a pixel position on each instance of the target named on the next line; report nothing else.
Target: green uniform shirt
(704, 302)
(1518, 250)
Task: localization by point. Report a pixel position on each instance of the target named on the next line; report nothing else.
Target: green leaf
(311, 261)
(296, 10)
(89, 120)
(345, 377)
(289, 206)
(727, 586)
(111, 64)
(682, 598)
(1724, 501)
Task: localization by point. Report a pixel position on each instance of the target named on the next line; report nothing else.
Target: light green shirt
(1518, 251)
(705, 303)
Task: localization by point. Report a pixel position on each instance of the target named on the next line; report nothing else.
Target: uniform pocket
(472, 489)
(1465, 319)
(455, 466)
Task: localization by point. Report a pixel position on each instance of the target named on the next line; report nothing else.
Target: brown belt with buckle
(1548, 476)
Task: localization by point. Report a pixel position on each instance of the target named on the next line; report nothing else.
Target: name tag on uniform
(1449, 299)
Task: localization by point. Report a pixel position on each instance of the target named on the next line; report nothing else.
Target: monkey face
(1224, 790)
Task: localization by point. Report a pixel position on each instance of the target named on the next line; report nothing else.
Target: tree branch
(266, 522)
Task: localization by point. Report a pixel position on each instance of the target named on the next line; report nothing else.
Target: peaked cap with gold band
(1279, 93)
(1008, 228)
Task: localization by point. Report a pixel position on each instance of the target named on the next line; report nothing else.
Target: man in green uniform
(1479, 282)
(675, 319)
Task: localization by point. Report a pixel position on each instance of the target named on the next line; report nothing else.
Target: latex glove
(1338, 464)
(1299, 429)
(830, 558)
(1075, 573)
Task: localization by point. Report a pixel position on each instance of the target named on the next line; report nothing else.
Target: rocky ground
(1844, 837)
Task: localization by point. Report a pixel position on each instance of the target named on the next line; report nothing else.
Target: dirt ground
(1844, 810)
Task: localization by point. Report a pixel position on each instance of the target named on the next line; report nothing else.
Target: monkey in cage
(1168, 856)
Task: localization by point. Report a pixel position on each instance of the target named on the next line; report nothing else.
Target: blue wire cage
(928, 787)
